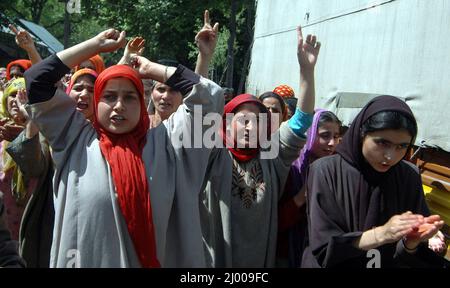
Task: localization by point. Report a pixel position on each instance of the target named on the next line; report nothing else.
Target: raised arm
(206, 41)
(41, 78)
(49, 108)
(292, 133)
(206, 94)
(107, 41)
(152, 70)
(24, 41)
(307, 53)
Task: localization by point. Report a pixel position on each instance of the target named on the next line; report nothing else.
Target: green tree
(169, 28)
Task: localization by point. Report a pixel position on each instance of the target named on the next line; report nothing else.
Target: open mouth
(117, 119)
(164, 105)
(82, 105)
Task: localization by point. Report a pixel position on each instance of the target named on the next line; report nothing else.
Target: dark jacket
(9, 256)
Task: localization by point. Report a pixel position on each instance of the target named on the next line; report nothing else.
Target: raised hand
(134, 47)
(110, 40)
(24, 41)
(23, 38)
(307, 50)
(21, 100)
(206, 38)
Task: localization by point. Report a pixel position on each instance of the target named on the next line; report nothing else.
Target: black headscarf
(351, 147)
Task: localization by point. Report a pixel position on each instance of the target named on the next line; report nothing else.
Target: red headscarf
(247, 154)
(124, 155)
(97, 60)
(25, 64)
(73, 79)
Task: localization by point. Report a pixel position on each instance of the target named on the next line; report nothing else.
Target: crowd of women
(92, 176)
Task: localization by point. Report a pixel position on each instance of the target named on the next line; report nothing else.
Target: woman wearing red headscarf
(16, 68)
(126, 196)
(95, 63)
(245, 180)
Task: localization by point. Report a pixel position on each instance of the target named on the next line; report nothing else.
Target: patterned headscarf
(13, 87)
(18, 185)
(284, 91)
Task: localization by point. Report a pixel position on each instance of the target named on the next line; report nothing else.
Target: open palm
(307, 50)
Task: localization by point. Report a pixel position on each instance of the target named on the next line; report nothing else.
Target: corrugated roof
(48, 39)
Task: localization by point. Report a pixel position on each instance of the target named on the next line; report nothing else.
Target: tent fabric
(396, 47)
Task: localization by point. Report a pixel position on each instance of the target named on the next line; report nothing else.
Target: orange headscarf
(284, 91)
(124, 155)
(25, 64)
(73, 79)
(99, 65)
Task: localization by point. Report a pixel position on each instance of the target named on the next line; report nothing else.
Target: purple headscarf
(300, 165)
(295, 181)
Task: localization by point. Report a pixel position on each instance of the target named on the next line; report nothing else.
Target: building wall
(399, 48)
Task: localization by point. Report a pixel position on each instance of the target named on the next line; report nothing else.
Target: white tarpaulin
(397, 47)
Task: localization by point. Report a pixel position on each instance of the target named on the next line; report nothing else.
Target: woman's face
(14, 111)
(82, 93)
(166, 100)
(16, 71)
(385, 148)
(274, 106)
(327, 139)
(119, 108)
(244, 126)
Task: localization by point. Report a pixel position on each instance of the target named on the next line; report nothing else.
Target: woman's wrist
(378, 233)
(410, 246)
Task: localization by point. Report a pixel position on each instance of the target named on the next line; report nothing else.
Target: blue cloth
(300, 122)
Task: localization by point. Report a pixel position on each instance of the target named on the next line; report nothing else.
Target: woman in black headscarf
(366, 197)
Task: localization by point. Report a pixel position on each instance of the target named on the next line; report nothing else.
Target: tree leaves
(169, 27)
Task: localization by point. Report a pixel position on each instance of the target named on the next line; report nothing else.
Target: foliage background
(169, 28)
